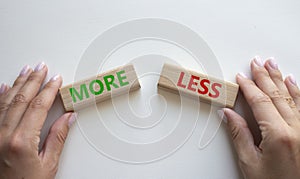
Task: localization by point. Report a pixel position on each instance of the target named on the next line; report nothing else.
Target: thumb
(56, 139)
(241, 136)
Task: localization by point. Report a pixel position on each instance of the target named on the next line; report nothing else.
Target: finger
(24, 96)
(7, 88)
(3, 106)
(276, 77)
(265, 83)
(3, 89)
(241, 136)
(293, 89)
(10, 92)
(261, 104)
(56, 139)
(37, 111)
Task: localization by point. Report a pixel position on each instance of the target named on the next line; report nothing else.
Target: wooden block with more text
(196, 85)
(99, 88)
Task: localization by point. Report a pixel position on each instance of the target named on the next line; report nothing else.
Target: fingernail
(24, 70)
(2, 88)
(242, 75)
(292, 79)
(258, 61)
(273, 63)
(39, 67)
(72, 119)
(222, 116)
(55, 77)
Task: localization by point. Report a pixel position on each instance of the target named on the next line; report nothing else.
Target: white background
(58, 32)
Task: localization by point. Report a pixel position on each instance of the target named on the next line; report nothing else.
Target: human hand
(275, 104)
(23, 110)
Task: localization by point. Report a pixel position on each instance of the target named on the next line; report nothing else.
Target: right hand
(275, 104)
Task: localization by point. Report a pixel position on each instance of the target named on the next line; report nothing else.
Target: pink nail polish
(292, 79)
(222, 116)
(273, 63)
(55, 77)
(72, 119)
(39, 67)
(258, 61)
(2, 88)
(24, 70)
(242, 75)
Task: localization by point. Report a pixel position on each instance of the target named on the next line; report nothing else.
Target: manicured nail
(39, 67)
(72, 119)
(222, 116)
(24, 70)
(273, 63)
(242, 75)
(7, 88)
(2, 88)
(258, 61)
(292, 79)
(55, 77)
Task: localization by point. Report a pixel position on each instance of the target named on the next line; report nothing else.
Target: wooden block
(196, 85)
(99, 88)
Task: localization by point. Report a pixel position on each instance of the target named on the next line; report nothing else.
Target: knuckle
(37, 103)
(275, 94)
(286, 140)
(34, 78)
(260, 74)
(16, 144)
(19, 99)
(276, 75)
(4, 106)
(235, 132)
(290, 102)
(250, 82)
(61, 137)
(59, 134)
(259, 98)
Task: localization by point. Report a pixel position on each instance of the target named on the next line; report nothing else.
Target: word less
(197, 85)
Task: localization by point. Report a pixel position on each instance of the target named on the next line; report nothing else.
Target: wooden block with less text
(196, 85)
(99, 88)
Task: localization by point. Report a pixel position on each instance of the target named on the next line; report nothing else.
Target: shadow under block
(99, 88)
(199, 86)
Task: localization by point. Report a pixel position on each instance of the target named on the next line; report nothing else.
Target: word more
(99, 88)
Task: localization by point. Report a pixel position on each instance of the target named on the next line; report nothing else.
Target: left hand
(23, 110)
